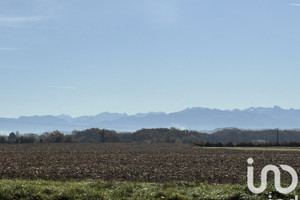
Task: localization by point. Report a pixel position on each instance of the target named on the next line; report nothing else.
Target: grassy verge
(94, 189)
(257, 148)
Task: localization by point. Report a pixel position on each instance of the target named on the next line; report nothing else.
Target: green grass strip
(95, 189)
(256, 148)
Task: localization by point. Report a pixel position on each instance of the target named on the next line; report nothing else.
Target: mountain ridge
(194, 118)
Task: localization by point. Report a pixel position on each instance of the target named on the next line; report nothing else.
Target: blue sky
(83, 57)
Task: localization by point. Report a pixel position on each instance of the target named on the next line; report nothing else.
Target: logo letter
(250, 180)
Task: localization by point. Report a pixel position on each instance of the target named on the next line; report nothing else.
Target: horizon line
(148, 112)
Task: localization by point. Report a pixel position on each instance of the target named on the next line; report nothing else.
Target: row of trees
(52, 137)
(94, 135)
(161, 135)
(158, 135)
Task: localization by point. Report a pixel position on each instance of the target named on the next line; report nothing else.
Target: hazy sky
(83, 57)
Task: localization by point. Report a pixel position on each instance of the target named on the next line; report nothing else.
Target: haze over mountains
(191, 118)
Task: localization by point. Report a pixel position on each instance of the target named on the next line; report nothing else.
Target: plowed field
(136, 162)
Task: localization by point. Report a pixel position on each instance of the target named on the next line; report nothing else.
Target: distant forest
(224, 137)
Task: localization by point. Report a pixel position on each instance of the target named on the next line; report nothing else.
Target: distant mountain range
(191, 118)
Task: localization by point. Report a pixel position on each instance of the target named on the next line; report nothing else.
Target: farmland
(135, 162)
(138, 171)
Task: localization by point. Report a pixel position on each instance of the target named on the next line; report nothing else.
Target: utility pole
(101, 136)
(277, 131)
(103, 131)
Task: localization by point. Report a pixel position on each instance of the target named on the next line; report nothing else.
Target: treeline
(224, 137)
(238, 136)
(95, 135)
(47, 137)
